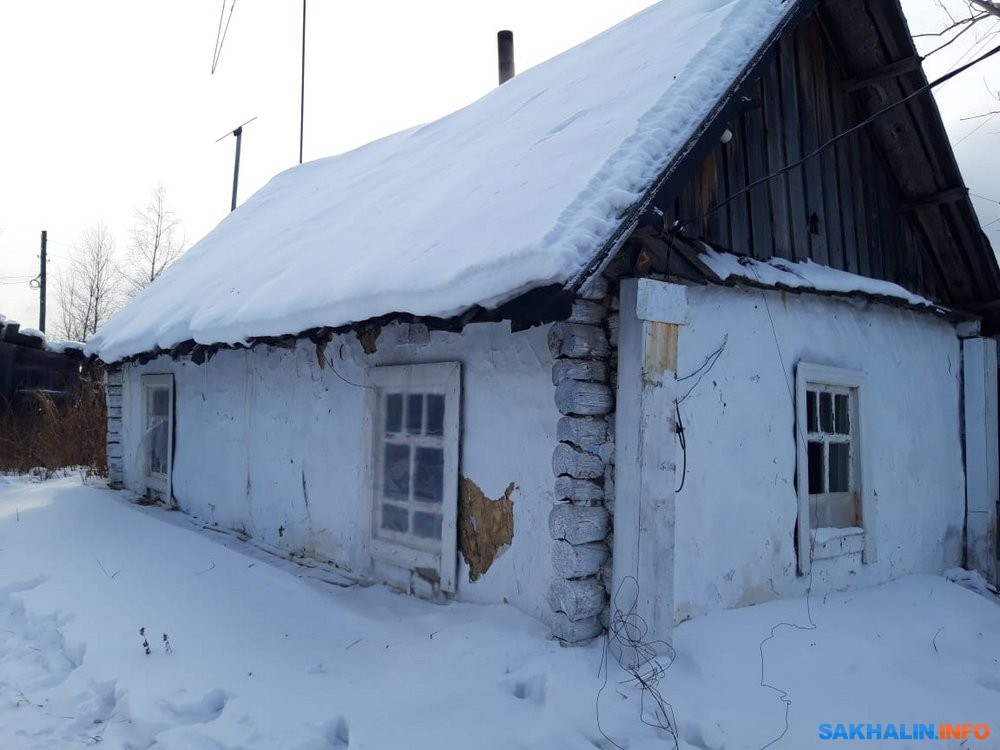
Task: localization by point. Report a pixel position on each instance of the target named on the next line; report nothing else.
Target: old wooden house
(29, 364)
(695, 315)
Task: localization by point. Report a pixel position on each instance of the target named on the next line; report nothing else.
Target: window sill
(829, 542)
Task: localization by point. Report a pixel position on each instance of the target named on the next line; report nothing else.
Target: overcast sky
(102, 100)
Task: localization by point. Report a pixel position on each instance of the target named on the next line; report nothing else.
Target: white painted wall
(258, 432)
(735, 517)
(979, 357)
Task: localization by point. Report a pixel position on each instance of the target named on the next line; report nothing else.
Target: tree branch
(990, 6)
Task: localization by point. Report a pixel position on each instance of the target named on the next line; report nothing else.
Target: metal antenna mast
(238, 132)
(302, 96)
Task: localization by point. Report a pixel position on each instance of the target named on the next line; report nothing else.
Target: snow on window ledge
(833, 542)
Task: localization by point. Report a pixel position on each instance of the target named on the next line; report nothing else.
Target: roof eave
(648, 210)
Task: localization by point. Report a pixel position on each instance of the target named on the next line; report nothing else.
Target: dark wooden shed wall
(842, 208)
(26, 367)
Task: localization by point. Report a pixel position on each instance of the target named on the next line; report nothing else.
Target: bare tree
(990, 6)
(982, 17)
(89, 290)
(156, 240)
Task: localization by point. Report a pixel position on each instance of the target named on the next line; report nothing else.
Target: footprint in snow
(988, 681)
(703, 736)
(531, 689)
(603, 743)
(205, 709)
(337, 733)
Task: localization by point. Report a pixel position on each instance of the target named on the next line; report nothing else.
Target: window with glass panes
(411, 470)
(831, 456)
(414, 468)
(830, 412)
(157, 438)
(831, 486)
(157, 428)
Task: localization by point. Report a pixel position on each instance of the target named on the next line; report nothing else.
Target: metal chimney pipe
(505, 55)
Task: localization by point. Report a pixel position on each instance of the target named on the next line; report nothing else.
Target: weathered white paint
(646, 454)
(979, 361)
(269, 442)
(735, 517)
(659, 302)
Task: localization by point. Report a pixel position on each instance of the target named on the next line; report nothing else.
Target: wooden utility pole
(41, 285)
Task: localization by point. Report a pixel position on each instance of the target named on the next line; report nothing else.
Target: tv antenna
(220, 35)
(238, 132)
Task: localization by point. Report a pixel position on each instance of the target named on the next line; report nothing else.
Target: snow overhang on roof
(808, 276)
(521, 189)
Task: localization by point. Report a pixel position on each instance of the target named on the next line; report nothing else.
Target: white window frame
(810, 376)
(442, 378)
(158, 486)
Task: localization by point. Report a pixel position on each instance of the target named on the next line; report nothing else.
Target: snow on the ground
(778, 272)
(519, 189)
(972, 580)
(265, 659)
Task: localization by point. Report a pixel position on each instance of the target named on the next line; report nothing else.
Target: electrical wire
(984, 198)
(627, 628)
(782, 693)
(640, 659)
(699, 373)
(682, 439)
(219, 41)
(702, 370)
(835, 139)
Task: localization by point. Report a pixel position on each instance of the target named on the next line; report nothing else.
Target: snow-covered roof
(61, 347)
(519, 189)
(805, 276)
(12, 330)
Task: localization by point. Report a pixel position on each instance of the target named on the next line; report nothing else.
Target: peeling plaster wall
(485, 526)
(266, 439)
(736, 513)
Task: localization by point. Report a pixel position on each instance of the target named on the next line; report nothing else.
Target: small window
(835, 517)
(414, 413)
(157, 439)
(833, 476)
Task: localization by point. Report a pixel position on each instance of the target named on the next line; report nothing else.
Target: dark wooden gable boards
(887, 201)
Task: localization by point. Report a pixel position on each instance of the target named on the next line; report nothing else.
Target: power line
(220, 35)
(840, 136)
